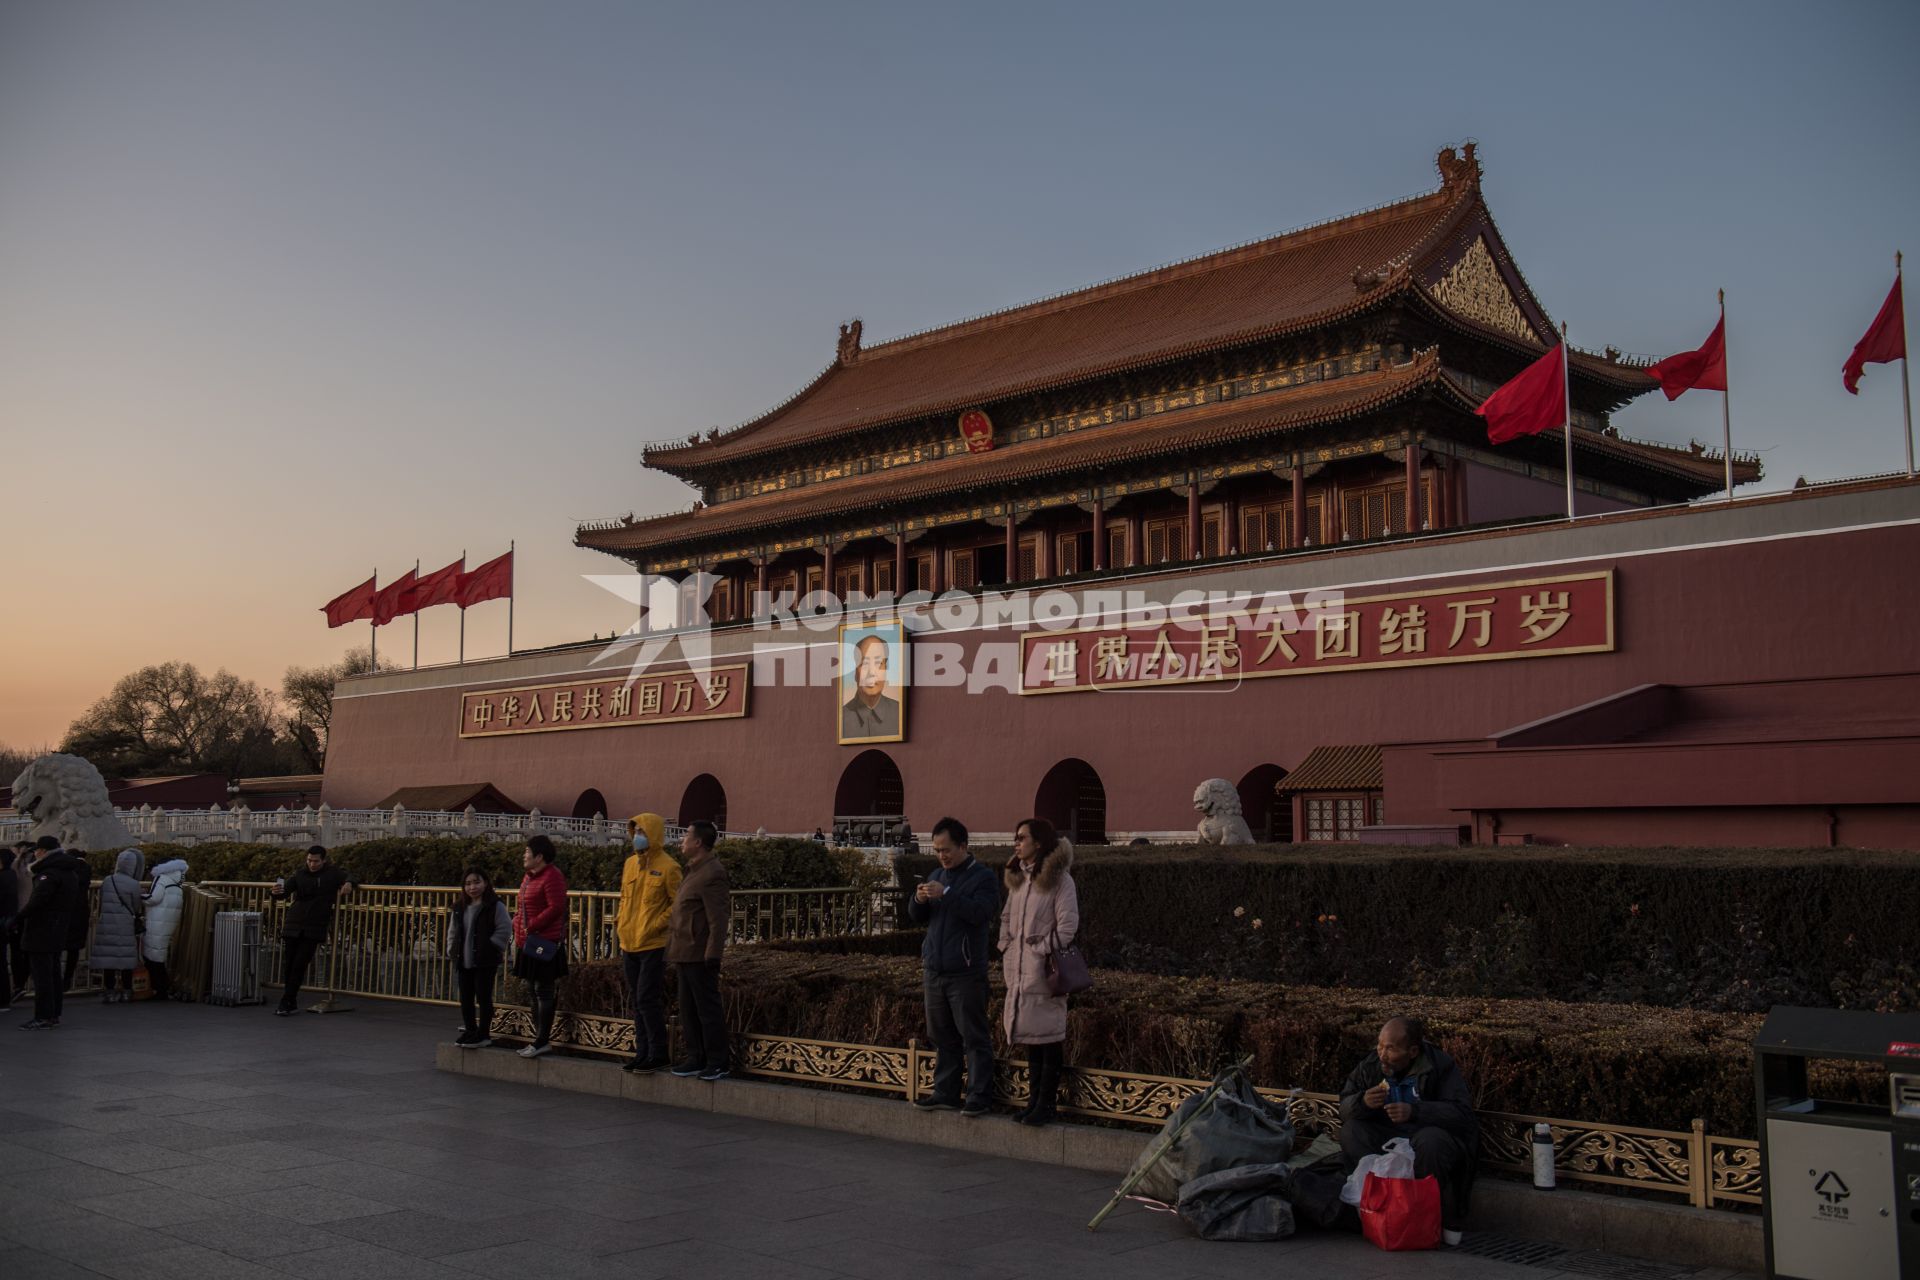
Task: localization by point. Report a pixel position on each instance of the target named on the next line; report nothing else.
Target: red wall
(1800, 606)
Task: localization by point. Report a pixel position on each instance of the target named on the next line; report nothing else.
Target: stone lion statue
(67, 798)
(1221, 822)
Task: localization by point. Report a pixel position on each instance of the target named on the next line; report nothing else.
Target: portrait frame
(892, 706)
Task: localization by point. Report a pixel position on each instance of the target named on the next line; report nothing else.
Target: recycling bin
(1842, 1179)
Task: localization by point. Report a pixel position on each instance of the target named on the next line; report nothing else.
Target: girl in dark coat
(477, 937)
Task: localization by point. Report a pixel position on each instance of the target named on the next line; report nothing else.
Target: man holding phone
(958, 903)
(1411, 1089)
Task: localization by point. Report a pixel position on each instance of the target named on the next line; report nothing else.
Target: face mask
(640, 842)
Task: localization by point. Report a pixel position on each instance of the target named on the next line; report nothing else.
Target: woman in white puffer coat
(164, 906)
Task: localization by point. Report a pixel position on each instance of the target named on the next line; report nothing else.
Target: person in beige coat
(1041, 915)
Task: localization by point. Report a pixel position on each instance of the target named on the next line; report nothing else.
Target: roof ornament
(1459, 170)
(849, 342)
(1613, 355)
(1365, 278)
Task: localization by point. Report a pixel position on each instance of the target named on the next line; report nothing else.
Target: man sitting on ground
(1411, 1089)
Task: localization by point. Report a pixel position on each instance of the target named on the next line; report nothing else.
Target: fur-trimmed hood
(1052, 868)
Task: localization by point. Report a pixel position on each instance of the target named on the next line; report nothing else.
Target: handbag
(1067, 972)
(1401, 1213)
(542, 949)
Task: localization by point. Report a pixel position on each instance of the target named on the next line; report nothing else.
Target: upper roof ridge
(1179, 268)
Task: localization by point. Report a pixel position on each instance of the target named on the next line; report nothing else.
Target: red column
(1193, 521)
(1049, 565)
(759, 586)
(1099, 532)
(939, 565)
(1230, 518)
(1413, 483)
(1299, 505)
(1134, 548)
(900, 566)
(1013, 549)
(826, 568)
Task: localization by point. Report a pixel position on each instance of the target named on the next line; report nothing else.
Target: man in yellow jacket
(647, 886)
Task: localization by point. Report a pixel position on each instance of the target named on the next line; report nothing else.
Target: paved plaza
(159, 1141)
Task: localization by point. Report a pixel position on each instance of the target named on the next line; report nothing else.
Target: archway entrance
(870, 800)
(1073, 799)
(591, 802)
(1268, 817)
(706, 799)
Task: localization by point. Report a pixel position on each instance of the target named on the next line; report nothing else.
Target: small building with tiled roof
(1314, 388)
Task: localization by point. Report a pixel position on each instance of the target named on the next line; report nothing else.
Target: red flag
(442, 586)
(1535, 401)
(355, 606)
(1703, 370)
(1886, 340)
(491, 581)
(395, 599)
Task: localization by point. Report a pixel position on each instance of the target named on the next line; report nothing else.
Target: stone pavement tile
(33, 1206)
(37, 1150)
(30, 1264)
(590, 1233)
(1325, 1257)
(176, 1136)
(160, 1207)
(265, 1157)
(87, 1241)
(126, 1157)
(875, 1259)
(225, 1181)
(991, 1232)
(14, 1123)
(73, 1180)
(622, 1205)
(707, 1258)
(742, 1229)
(97, 1090)
(427, 1235)
(186, 1262)
(252, 1235)
(360, 1261)
(539, 1260)
(317, 1205)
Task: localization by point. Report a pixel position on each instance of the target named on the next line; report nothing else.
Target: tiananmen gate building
(1232, 518)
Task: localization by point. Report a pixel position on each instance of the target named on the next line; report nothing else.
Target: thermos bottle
(1543, 1157)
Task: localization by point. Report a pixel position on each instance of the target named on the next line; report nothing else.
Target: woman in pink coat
(1041, 915)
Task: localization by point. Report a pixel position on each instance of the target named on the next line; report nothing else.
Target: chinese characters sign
(1487, 621)
(717, 693)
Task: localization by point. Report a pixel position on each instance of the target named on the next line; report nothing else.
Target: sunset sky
(292, 292)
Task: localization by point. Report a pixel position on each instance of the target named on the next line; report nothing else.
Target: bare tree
(174, 718)
(308, 695)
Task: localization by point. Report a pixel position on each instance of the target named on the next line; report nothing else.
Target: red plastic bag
(1401, 1213)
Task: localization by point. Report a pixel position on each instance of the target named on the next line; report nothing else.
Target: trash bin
(1842, 1179)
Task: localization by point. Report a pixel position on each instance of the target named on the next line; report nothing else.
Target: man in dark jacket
(1411, 1089)
(313, 890)
(59, 894)
(958, 904)
(696, 941)
(79, 922)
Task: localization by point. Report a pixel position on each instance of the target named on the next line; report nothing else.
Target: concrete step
(1576, 1219)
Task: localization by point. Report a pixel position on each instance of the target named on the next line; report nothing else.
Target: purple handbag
(1067, 972)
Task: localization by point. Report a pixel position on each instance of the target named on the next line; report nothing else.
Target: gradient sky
(288, 292)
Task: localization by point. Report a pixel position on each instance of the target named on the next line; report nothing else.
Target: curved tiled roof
(1170, 433)
(1298, 280)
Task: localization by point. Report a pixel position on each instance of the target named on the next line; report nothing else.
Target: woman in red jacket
(540, 935)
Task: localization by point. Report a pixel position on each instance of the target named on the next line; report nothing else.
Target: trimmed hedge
(771, 863)
(1619, 1064)
(1702, 928)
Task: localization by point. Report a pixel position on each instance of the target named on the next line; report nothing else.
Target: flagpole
(373, 627)
(510, 569)
(1566, 431)
(1906, 396)
(1726, 397)
(463, 613)
(416, 619)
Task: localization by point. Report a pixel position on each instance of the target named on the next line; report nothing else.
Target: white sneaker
(536, 1050)
(1450, 1238)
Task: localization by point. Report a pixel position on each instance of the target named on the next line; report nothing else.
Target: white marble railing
(329, 826)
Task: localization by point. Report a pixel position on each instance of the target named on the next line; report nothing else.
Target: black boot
(1036, 1074)
(543, 1009)
(1044, 1112)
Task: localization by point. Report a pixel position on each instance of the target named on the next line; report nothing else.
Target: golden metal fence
(390, 940)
